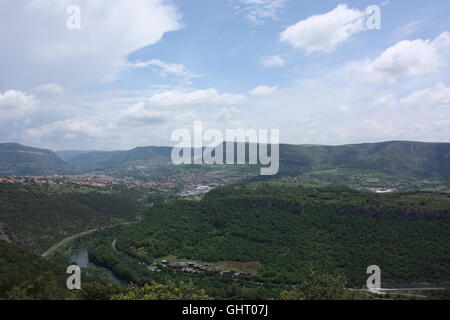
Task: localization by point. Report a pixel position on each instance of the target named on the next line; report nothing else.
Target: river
(81, 258)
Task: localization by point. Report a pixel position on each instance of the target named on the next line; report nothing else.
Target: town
(182, 186)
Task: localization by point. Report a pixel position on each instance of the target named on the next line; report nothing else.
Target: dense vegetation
(275, 230)
(27, 276)
(24, 275)
(276, 227)
(37, 216)
(283, 229)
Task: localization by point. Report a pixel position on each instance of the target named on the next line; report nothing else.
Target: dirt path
(64, 241)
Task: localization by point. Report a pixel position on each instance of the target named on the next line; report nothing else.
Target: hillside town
(185, 186)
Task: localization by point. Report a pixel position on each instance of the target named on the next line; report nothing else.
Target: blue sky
(137, 70)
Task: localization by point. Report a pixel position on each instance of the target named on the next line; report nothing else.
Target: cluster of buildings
(383, 190)
(193, 267)
(195, 191)
(91, 180)
(191, 184)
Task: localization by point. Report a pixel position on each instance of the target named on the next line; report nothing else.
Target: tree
(157, 291)
(321, 286)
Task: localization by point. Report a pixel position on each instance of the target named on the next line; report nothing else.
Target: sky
(117, 74)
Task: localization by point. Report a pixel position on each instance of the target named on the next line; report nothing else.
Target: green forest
(36, 216)
(282, 231)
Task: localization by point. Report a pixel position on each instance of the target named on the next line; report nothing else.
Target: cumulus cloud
(141, 114)
(420, 115)
(227, 113)
(195, 97)
(167, 69)
(325, 32)
(264, 90)
(407, 58)
(36, 37)
(428, 98)
(124, 120)
(50, 88)
(16, 104)
(257, 11)
(439, 95)
(273, 61)
(70, 128)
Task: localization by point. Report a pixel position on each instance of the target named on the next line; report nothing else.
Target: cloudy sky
(136, 70)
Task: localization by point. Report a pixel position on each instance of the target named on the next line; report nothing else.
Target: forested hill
(37, 216)
(399, 157)
(100, 160)
(24, 275)
(19, 160)
(408, 159)
(284, 228)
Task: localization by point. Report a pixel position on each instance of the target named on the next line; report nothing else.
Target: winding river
(81, 258)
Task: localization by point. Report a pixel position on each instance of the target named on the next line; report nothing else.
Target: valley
(226, 231)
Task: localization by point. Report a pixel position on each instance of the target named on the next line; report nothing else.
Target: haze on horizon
(137, 70)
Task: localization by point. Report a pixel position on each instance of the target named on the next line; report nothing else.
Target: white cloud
(126, 121)
(264, 90)
(16, 104)
(35, 37)
(71, 127)
(227, 113)
(195, 97)
(165, 69)
(273, 61)
(325, 32)
(415, 58)
(141, 114)
(436, 96)
(257, 11)
(50, 88)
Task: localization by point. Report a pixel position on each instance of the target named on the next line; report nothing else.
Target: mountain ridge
(424, 159)
(20, 160)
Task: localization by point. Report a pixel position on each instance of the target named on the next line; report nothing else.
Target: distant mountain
(99, 160)
(399, 157)
(19, 160)
(418, 159)
(66, 155)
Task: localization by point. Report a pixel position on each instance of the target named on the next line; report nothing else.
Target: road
(64, 241)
